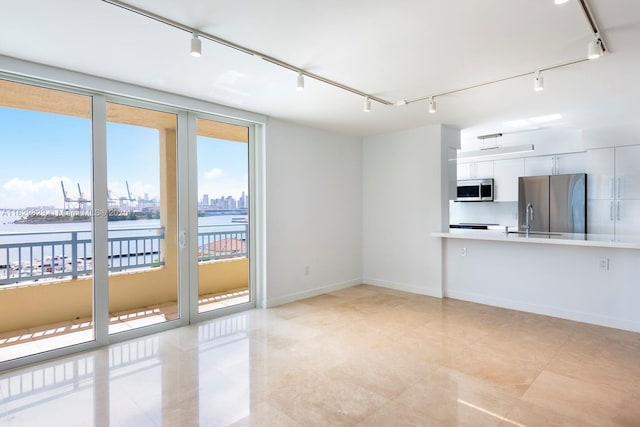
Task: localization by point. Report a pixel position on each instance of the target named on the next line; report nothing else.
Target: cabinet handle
(618, 210)
(611, 184)
(611, 211)
(618, 185)
(557, 165)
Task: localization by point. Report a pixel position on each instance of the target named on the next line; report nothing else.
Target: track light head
(367, 104)
(594, 50)
(196, 46)
(432, 105)
(300, 85)
(538, 82)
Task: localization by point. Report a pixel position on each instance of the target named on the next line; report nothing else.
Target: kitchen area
(549, 225)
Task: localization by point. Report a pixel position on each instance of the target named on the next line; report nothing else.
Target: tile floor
(362, 356)
(39, 339)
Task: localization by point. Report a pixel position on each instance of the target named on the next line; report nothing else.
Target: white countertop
(595, 240)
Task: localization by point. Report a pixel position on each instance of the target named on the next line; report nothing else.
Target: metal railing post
(74, 255)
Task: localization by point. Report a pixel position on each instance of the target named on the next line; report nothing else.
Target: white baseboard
(431, 291)
(284, 299)
(593, 318)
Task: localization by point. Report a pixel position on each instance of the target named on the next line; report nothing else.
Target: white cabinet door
(600, 173)
(464, 171)
(600, 217)
(628, 172)
(505, 175)
(475, 170)
(484, 170)
(627, 220)
(556, 165)
(570, 163)
(539, 165)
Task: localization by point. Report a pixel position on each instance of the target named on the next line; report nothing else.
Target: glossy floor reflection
(359, 356)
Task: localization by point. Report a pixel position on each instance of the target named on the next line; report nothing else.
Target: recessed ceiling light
(560, 1)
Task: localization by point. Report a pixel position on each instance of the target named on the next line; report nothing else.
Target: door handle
(618, 210)
(182, 239)
(619, 184)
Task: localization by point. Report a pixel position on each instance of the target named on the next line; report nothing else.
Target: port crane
(81, 201)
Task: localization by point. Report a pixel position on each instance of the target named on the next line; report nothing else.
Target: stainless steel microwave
(475, 190)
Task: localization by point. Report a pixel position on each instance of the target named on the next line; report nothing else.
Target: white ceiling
(395, 50)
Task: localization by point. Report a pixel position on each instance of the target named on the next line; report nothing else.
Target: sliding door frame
(187, 110)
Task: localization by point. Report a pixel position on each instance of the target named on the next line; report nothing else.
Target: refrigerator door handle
(618, 210)
(619, 184)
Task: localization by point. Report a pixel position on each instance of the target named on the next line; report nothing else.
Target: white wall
(313, 211)
(405, 199)
(555, 280)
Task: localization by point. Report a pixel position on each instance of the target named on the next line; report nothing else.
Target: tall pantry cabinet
(613, 192)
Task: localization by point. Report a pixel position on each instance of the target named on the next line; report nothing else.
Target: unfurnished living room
(330, 213)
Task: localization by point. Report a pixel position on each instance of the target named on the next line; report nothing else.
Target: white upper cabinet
(601, 174)
(506, 174)
(539, 165)
(555, 165)
(627, 172)
(475, 170)
(571, 163)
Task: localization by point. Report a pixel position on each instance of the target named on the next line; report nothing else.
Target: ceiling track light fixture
(196, 50)
(196, 45)
(229, 44)
(300, 85)
(432, 105)
(594, 49)
(367, 104)
(538, 82)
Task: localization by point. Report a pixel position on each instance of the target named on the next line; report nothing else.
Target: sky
(39, 150)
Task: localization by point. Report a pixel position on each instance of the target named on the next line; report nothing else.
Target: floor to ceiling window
(96, 242)
(143, 221)
(46, 284)
(223, 214)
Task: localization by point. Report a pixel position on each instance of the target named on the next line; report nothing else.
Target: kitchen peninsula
(592, 280)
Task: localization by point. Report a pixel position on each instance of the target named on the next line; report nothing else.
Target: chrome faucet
(528, 218)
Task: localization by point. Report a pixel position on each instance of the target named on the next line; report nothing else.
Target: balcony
(46, 286)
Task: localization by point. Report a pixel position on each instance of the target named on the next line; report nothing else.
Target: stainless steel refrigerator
(554, 203)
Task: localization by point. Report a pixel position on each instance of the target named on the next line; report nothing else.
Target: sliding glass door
(142, 190)
(46, 266)
(223, 215)
(117, 218)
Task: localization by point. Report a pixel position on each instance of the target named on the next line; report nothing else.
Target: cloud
(214, 173)
(20, 193)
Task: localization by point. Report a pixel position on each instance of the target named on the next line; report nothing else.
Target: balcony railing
(61, 254)
(221, 244)
(26, 257)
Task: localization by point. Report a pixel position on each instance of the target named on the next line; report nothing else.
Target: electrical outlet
(463, 251)
(604, 263)
(307, 270)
